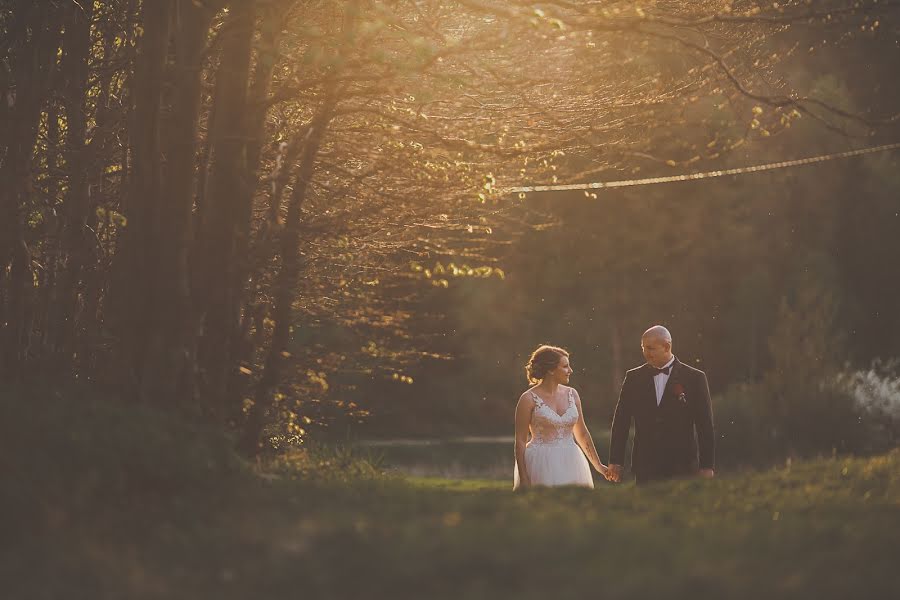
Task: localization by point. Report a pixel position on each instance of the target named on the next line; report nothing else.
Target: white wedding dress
(552, 457)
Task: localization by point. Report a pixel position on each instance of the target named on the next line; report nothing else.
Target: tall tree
(27, 77)
(76, 243)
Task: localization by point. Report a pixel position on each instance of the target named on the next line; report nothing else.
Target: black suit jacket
(672, 439)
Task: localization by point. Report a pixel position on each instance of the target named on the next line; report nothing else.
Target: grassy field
(126, 511)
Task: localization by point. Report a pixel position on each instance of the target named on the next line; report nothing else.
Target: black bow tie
(654, 371)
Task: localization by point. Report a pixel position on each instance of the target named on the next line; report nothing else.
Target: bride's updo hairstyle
(542, 361)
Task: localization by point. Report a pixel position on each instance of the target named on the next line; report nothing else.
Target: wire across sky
(599, 185)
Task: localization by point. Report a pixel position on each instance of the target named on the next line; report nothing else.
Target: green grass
(325, 524)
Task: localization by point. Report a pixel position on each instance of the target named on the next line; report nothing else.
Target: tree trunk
(133, 284)
(271, 27)
(76, 245)
(287, 277)
(226, 206)
(32, 68)
(169, 367)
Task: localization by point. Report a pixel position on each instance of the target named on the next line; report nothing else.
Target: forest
(285, 217)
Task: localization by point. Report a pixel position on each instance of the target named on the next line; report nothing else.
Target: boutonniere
(679, 392)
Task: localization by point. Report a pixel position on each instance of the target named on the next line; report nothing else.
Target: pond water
(456, 458)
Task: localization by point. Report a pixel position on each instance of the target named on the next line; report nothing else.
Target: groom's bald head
(658, 332)
(656, 344)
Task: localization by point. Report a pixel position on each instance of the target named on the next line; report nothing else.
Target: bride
(552, 412)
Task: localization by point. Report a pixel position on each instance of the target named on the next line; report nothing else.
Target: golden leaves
(318, 378)
(402, 378)
(439, 272)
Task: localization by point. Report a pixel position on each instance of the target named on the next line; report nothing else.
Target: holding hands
(599, 466)
(614, 473)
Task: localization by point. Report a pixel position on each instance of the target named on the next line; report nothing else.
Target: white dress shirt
(660, 380)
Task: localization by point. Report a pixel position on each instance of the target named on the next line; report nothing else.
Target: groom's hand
(614, 473)
(706, 473)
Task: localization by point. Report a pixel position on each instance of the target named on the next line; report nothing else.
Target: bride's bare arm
(584, 439)
(523, 418)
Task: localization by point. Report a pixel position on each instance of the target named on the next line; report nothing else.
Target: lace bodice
(548, 426)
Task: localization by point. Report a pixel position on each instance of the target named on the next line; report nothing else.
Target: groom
(668, 401)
